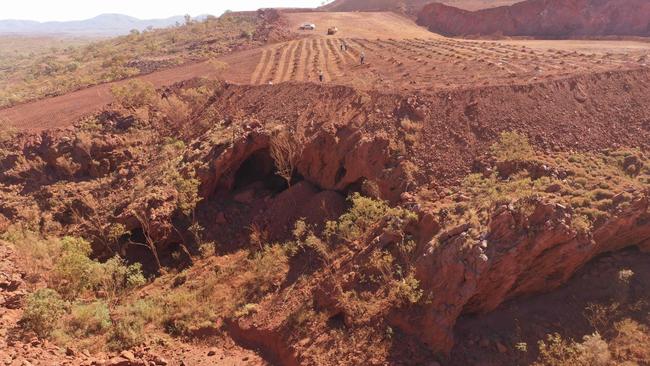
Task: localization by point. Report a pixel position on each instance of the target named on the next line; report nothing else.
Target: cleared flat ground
(358, 24)
(596, 46)
(399, 55)
(435, 63)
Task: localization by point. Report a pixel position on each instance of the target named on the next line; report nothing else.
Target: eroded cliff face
(414, 210)
(543, 19)
(522, 254)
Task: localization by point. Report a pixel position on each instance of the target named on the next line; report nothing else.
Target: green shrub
(408, 290)
(187, 189)
(43, 311)
(129, 324)
(186, 312)
(267, 270)
(6, 131)
(115, 276)
(86, 320)
(512, 146)
(135, 94)
(556, 351)
(364, 213)
(74, 272)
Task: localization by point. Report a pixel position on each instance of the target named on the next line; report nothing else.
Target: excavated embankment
(543, 19)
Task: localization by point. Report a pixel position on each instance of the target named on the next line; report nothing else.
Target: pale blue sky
(46, 10)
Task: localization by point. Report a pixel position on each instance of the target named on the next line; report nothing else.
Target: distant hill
(543, 19)
(410, 7)
(105, 24)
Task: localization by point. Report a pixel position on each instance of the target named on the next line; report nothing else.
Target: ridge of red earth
(542, 19)
(409, 7)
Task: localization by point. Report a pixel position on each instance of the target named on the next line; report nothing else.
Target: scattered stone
(118, 361)
(128, 355)
(157, 360)
(501, 348)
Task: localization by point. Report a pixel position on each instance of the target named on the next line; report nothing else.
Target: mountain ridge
(103, 24)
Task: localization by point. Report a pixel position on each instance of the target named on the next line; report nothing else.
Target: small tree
(149, 243)
(286, 148)
(135, 94)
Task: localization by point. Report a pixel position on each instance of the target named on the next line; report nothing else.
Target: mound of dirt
(543, 18)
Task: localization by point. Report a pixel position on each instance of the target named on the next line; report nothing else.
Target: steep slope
(543, 18)
(380, 284)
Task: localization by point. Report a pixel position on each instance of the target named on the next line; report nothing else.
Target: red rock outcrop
(521, 254)
(543, 19)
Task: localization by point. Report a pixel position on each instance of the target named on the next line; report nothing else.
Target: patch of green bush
(87, 320)
(512, 146)
(43, 311)
(75, 272)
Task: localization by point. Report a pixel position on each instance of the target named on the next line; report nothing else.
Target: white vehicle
(308, 26)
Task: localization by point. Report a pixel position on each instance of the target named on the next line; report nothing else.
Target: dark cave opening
(259, 167)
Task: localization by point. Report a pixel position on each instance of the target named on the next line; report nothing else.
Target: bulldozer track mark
(315, 61)
(284, 61)
(290, 71)
(264, 58)
(308, 60)
(300, 65)
(350, 52)
(277, 60)
(328, 68)
(268, 65)
(336, 51)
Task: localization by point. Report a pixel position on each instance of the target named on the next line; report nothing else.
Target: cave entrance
(259, 168)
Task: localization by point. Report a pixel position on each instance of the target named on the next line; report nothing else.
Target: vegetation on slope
(32, 75)
(144, 161)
